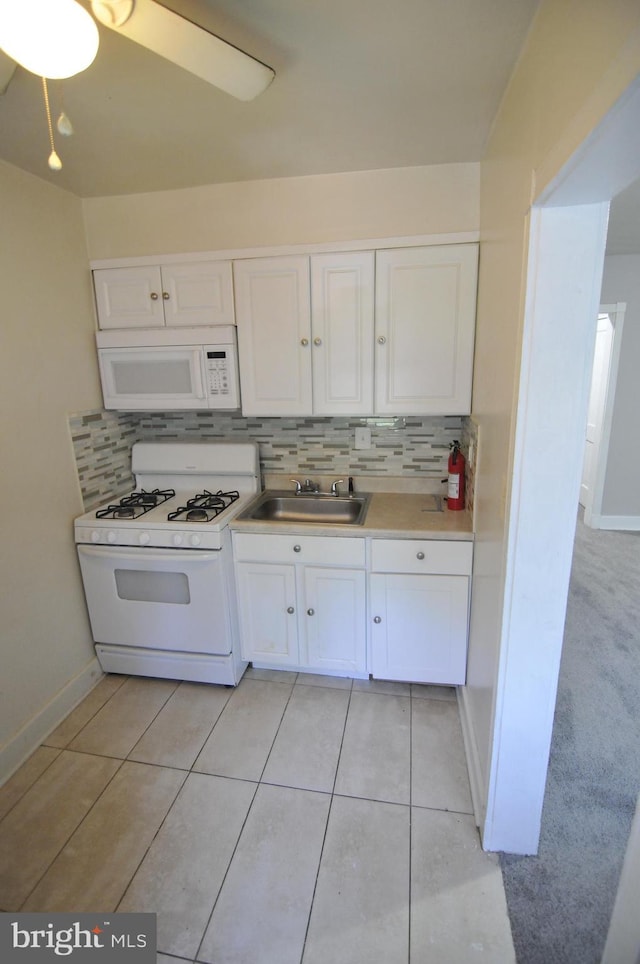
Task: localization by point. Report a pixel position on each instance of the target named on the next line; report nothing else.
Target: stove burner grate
(204, 507)
(136, 504)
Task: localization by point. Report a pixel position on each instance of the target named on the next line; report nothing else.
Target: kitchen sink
(274, 506)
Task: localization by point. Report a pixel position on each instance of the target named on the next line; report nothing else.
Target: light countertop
(391, 515)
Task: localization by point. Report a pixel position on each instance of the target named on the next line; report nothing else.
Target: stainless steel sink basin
(274, 506)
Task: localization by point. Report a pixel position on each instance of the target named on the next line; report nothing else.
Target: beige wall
(48, 369)
(579, 57)
(301, 210)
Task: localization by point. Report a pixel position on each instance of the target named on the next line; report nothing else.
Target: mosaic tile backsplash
(411, 446)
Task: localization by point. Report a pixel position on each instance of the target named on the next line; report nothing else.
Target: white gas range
(156, 564)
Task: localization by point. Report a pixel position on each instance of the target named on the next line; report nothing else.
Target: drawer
(316, 550)
(422, 556)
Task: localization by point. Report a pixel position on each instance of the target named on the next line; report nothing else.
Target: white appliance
(156, 564)
(169, 368)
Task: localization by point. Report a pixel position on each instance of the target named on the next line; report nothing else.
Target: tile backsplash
(415, 447)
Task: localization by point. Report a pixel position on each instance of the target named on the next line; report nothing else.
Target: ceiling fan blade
(7, 68)
(186, 44)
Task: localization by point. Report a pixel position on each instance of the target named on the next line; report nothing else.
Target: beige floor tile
(375, 758)
(18, 784)
(306, 750)
(92, 871)
(85, 710)
(45, 818)
(262, 912)
(439, 777)
(381, 686)
(182, 726)
(321, 679)
(361, 907)
(242, 737)
(181, 875)
(458, 906)
(425, 691)
(117, 727)
(275, 675)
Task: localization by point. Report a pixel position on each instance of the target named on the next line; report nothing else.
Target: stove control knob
(144, 538)
(95, 536)
(111, 536)
(195, 540)
(177, 539)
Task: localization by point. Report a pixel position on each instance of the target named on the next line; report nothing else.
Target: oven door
(174, 600)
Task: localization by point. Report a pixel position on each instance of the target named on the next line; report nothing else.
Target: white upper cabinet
(425, 327)
(173, 295)
(342, 333)
(274, 335)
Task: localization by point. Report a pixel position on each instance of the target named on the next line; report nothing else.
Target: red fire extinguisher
(455, 489)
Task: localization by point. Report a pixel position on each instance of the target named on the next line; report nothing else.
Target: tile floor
(294, 819)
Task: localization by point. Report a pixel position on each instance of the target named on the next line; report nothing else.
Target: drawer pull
(377, 619)
(290, 610)
(419, 555)
(310, 612)
(297, 548)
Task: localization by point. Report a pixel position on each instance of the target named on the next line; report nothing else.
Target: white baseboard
(630, 523)
(26, 740)
(478, 790)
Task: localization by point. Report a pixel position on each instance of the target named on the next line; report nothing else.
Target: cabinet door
(419, 627)
(425, 327)
(267, 613)
(342, 327)
(334, 618)
(198, 294)
(129, 297)
(274, 335)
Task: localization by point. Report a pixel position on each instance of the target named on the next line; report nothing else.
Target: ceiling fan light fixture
(50, 38)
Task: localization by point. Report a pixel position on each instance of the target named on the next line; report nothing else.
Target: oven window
(139, 585)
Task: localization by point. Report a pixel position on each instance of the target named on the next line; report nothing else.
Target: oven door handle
(149, 556)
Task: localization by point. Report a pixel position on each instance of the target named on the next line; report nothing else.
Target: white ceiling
(360, 85)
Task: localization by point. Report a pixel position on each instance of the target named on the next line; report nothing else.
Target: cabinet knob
(419, 555)
(290, 610)
(154, 295)
(304, 342)
(310, 612)
(382, 340)
(317, 341)
(377, 619)
(165, 295)
(297, 548)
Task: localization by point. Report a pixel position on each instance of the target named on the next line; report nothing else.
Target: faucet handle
(297, 485)
(334, 486)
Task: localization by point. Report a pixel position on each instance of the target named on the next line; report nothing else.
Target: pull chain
(54, 162)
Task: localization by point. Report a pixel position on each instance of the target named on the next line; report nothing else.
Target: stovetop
(190, 505)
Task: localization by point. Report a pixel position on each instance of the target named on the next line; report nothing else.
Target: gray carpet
(560, 901)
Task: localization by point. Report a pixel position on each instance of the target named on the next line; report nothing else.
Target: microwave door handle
(198, 372)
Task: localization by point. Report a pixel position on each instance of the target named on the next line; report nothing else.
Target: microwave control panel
(219, 375)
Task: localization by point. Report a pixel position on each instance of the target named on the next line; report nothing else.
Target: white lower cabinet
(302, 602)
(419, 603)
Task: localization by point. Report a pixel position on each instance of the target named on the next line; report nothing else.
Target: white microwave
(165, 368)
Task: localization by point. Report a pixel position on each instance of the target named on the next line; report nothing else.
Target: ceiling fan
(146, 22)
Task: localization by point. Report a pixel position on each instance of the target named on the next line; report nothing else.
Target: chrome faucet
(306, 486)
(334, 486)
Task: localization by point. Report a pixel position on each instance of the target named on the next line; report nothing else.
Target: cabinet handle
(154, 295)
(165, 295)
(296, 548)
(377, 619)
(419, 555)
(310, 612)
(317, 341)
(290, 610)
(382, 340)
(304, 342)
